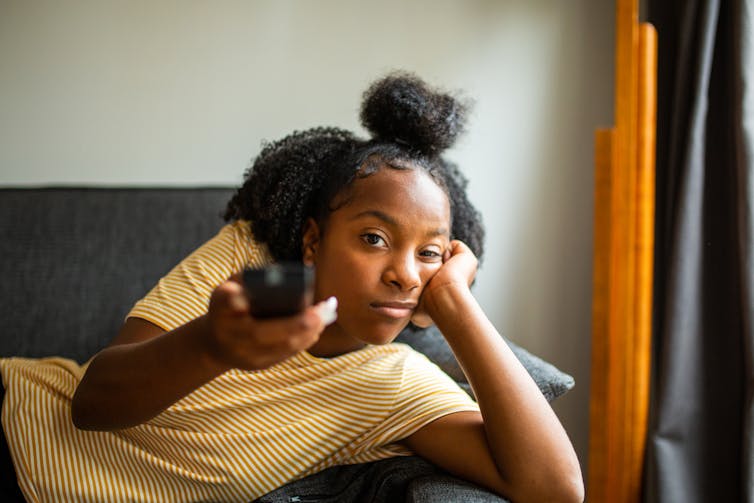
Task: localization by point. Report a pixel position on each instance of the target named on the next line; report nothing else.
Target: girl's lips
(397, 310)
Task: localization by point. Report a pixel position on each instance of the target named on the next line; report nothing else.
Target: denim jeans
(400, 479)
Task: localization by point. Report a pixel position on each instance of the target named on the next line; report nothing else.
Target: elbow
(569, 490)
(83, 413)
(89, 413)
(81, 423)
(572, 484)
(79, 417)
(561, 489)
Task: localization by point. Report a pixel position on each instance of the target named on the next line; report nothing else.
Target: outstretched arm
(145, 370)
(516, 447)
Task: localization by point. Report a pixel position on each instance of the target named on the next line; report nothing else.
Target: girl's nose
(403, 273)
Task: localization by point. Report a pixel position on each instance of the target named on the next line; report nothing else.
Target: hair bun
(402, 108)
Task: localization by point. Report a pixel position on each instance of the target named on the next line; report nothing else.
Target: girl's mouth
(396, 309)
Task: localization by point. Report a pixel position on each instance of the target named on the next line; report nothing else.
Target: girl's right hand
(236, 340)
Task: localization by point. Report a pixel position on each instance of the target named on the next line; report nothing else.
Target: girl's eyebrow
(440, 231)
(377, 214)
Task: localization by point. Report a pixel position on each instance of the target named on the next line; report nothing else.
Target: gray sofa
(74, 260)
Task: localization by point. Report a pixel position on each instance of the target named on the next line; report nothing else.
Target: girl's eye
(372, 239)
(430, 254)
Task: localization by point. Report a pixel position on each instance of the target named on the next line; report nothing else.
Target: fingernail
(328, 310)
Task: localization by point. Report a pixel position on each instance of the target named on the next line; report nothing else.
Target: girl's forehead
(409, 193)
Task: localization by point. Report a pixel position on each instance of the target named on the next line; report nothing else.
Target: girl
(195, 400)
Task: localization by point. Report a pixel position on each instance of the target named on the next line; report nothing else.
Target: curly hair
(299, 176)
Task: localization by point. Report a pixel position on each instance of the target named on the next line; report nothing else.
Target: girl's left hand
(458, 271)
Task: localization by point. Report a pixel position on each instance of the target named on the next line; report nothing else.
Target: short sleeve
(184, 293)
(426, 394)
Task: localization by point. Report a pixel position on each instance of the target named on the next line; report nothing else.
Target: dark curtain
(699, 446)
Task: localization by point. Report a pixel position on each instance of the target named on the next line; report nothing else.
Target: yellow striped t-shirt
(238, 436)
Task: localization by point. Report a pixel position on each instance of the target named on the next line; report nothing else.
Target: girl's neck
(332, 344)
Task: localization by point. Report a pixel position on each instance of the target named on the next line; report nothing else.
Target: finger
(457, 246)
(421, 319)
(327, 310)
(231, 297)
(238, 303)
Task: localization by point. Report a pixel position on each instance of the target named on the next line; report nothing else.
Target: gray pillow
(551, 381)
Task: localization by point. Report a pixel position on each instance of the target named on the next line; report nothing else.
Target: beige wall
(182, 93)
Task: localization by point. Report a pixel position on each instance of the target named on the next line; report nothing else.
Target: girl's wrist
(205, 343)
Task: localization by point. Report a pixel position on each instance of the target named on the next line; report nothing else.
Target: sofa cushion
(552, 381)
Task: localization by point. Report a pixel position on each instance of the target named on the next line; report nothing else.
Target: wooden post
(623, 258)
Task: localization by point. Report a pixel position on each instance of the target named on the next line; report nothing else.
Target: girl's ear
(310, 241)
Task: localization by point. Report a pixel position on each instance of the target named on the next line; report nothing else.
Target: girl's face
(376, 254)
